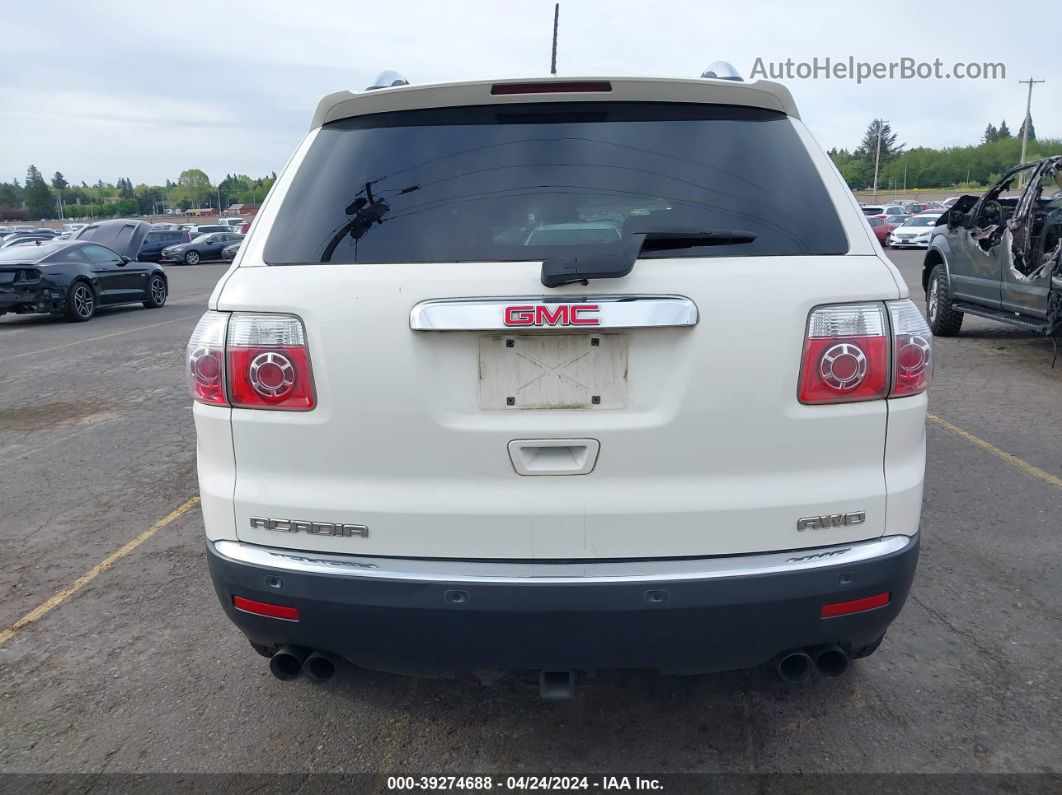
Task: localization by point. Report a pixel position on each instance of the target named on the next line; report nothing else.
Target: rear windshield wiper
(618, 263)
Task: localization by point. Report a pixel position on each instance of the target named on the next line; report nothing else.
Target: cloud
(109, 88)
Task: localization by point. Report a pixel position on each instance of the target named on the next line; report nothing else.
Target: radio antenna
(556, 20)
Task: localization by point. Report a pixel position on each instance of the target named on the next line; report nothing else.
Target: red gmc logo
(560, 315)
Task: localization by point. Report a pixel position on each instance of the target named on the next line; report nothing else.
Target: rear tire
(156, 292)
(191, 258)
(944, 320)
(80, 303)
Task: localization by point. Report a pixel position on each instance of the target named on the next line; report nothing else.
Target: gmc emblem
(560, 315)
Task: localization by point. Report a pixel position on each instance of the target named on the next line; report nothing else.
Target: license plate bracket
(552, 371)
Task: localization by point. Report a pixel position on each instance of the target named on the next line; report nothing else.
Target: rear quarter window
(523, 182)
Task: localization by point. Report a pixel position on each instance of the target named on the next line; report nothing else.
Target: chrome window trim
(534, 573)
(616, 311)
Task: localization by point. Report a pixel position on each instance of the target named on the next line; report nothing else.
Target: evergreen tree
(37, 195)
(868, 147)
(1004, 130)
(1032, 129)
(868, 150)
(991, 134)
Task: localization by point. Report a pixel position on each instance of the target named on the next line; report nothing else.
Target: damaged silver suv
(998, 256)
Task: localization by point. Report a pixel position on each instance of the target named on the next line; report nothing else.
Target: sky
(105, 89)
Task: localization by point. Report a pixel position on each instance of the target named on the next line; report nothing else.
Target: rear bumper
(47, 298)
(679, 616)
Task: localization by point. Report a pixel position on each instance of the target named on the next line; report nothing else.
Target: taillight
(247, 360)
(846, 354)
(205, 360)
(865, 352)
(268, 363)
(912, 349)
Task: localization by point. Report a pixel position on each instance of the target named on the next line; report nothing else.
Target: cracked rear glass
(523, 182)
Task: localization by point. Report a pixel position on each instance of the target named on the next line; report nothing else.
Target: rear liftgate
(531, 364)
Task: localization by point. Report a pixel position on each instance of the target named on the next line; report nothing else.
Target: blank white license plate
(553, 371)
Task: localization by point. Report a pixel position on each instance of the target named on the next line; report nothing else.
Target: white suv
(561, 375)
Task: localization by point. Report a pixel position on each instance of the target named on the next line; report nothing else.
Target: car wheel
(191, 258)
(80, 303)
(156, 292)
(943, 319)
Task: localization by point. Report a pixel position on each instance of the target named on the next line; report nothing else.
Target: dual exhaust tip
(797, 666)
(290, 661)
(831, 662)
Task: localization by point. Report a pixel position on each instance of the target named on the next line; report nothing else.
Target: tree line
(40, 198)
(979, 164)
(898, 167)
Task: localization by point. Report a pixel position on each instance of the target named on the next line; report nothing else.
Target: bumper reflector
(855, 605)
(265, 609)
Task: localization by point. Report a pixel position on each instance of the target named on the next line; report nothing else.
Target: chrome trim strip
(610, 311)
(532, 573)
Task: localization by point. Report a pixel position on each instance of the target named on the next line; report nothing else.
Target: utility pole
(556, 21)
(877, 156)
(1028, 116)
(1028, 119)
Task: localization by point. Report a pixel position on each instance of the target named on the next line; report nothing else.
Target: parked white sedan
(914, 232)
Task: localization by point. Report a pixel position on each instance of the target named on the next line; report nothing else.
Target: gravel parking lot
(140, 671)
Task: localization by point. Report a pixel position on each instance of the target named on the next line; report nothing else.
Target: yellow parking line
(42, 609)
(97, 339)
(1010, 458)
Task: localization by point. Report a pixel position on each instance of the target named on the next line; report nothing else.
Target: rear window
(15, 253)
(525, 182)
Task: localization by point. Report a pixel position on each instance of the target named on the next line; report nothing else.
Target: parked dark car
(998, 256)
(74, 278)
(204, 247)
(158, 239)
(229, 252)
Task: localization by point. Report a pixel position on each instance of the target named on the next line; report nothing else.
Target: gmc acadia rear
(559, 375)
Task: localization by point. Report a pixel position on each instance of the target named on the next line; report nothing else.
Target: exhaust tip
(831, 662)
(286, 664)
(320, 667)
(795, 667)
